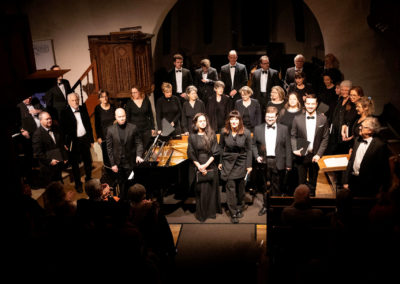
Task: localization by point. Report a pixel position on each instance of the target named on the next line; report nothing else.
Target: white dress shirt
(362, 148)
(232, 70)
(311, 125)
(80, 129)
(270, 140)
(204, 75)
(178, 76)
(263, 81)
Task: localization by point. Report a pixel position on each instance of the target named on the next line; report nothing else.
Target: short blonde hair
(247, 90)
(166, 87)
(190, 89)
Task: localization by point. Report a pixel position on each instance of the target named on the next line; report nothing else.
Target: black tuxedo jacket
(69, 124)
(273, 80)
(321, 136)
(25, 119)
(240, 78)
(55, 100)
(42, 143)
(131, 148)
(186, 79)
(374, 168)
(205, 90)
(283, 150)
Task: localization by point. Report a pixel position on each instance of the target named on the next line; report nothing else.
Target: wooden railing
(88, 84)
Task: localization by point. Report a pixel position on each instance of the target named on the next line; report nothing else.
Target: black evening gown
(208, 200)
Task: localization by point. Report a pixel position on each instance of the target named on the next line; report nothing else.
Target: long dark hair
(209, 134)
(234, 114)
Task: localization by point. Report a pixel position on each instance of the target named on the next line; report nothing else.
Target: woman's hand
(249, 170)
(220, 167)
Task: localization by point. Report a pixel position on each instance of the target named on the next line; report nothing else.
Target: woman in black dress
(277, 97)
(218, 107)
(168, 107)
(203, 173)
(138, 112)
(235, 162)
(248, 108)
(190, 108)
(300, 87)
(104, 116)
(327, 94)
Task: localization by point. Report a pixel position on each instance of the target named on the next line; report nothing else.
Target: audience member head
(365, 106)
(301, 195)
(136, 193)
(191, 92)
(277, 94)
(246, 92)
(120, 116)
(234, 122)
(293, 101)
(345, 87)
(45, 119)
(356, 93)
(232, 57)
(57, 201)
(166, 89)
(299, 60)
(136, 93)
(178, 61)
(264, 62)
(369, 127)
(219, 87)
(94, 189)
(271, 115)
(73, 100)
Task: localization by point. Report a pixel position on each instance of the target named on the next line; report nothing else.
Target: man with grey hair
(75, 123)
(368, 168)
(299, 60)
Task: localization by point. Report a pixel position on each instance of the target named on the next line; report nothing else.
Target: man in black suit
(27, 123)
(48, 146)
(271, 147)
(180, 78)
(56, 97)
(309, 130)
(264, 79)
(234, 76)
(204, 79)
(368, 168)
(124, 148)
(75, 123)
(299, 60)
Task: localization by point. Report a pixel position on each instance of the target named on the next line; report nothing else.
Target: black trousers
(235, 194)
(305, 167)
(81, 151)
(123, 182)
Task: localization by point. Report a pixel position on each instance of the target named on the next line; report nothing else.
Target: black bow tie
(310, 117)
(60, 84)
(49, 131)
(178, 70)
(271, 126)
(233, 66)
(264, 72)
(362, 140)
(76, 110)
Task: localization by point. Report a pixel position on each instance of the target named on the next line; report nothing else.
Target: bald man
(124, 148)
(234, 76)
(75, 123)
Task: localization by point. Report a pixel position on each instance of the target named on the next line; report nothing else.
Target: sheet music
(336, 162)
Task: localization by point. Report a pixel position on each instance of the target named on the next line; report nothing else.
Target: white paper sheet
(336, 162)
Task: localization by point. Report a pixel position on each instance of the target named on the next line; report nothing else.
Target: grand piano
(165, 168)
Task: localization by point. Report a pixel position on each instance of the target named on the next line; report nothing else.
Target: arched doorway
(209, 29)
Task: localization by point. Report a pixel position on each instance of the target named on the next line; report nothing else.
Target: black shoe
(234, 219)
(79, 188)
(262, 211)
(239, 214)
